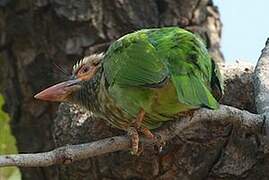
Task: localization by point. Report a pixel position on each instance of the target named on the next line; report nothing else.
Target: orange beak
(59, 92)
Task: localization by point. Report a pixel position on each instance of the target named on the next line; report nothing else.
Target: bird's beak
(59, 92)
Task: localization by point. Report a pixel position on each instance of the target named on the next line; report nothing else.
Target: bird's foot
(159, 143)
(136, 147)
(134, 130)
(134, 136)
(157, 139)
(133, 133)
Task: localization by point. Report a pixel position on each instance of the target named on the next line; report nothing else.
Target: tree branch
(261, 80)
(71, 153)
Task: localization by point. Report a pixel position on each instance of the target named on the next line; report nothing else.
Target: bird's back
(166, 70)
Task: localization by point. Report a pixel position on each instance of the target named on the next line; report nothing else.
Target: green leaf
(7, 145)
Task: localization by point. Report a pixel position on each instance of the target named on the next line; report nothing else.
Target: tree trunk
(36, 35)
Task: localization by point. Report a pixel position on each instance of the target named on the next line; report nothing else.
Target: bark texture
(36, 34)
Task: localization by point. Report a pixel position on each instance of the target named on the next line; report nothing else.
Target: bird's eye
(83, 70)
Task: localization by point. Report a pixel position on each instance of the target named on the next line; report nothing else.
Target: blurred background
(34, 35)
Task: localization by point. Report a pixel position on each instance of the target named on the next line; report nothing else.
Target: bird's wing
(148, 57)
(190, 68)
(133, 61)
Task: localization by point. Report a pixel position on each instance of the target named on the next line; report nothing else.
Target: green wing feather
(190, 67)
(149, 56)
(133, 61)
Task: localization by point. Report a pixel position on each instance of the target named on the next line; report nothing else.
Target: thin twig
(66, 154)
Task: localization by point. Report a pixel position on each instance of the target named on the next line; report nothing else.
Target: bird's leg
(146, 132)
(133, 132)
(135, 129)
(159, 144)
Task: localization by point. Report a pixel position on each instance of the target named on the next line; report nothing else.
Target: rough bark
(36, 34)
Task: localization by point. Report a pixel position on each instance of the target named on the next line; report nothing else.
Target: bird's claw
(137, 149)
(159, 143)
(134, 136)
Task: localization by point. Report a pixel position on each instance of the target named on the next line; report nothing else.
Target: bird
(144, 79)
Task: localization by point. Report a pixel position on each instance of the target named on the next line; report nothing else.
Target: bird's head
(83, 71)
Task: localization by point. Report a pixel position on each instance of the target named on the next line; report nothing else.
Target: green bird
(143, 80)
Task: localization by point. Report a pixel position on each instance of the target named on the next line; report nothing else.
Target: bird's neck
(88, 95)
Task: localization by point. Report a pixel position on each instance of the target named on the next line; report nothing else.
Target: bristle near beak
(59, 92)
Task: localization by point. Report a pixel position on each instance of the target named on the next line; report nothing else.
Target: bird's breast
(111, 112)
